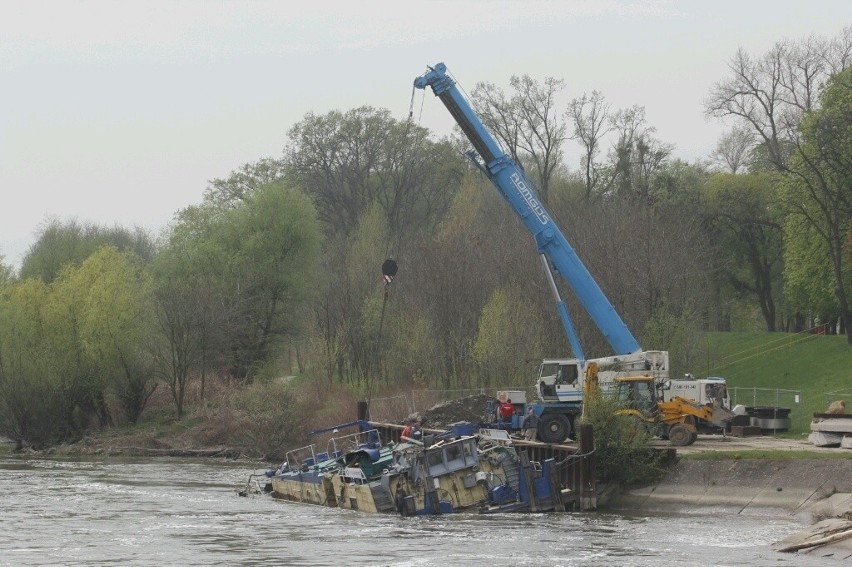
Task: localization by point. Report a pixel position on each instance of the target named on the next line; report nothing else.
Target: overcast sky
(121, 112)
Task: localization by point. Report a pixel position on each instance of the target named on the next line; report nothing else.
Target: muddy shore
(815, 491)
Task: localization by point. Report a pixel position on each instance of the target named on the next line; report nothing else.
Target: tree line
(277, 270)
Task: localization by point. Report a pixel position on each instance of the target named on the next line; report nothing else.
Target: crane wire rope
(392, 246)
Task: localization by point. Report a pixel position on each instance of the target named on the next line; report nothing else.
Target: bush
(262, 420)
(621, 445)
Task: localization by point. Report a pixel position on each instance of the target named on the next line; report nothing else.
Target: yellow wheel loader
(676, 420)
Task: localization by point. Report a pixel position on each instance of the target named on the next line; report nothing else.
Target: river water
(175, 512)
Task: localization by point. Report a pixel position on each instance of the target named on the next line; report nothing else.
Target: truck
(560, 382)
(711, 390)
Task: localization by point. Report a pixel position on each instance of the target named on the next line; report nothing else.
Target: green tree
(349, 161)
(505, 325)
(248, 179)
(820, 183)
(808, 281)
(65, 347)
(453, 274)
(254, 262)
(31, 404)
(190, 300)
(7, 272)
(621, 446)
(746, 220)
(62, 243)
(353, 303)
(116, 323)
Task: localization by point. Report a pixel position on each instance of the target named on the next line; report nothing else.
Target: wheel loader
(676, 420)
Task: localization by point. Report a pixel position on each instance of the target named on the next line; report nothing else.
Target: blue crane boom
(518, 190)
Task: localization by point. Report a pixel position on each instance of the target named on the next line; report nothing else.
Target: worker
(416, 430)
(530, 424)
(507, 410)
(406, 431)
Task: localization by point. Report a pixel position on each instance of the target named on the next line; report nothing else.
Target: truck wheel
(680, 435)
(553, 428)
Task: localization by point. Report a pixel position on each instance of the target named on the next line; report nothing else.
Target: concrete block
(745, 431)
(823, 439)
(832, 425)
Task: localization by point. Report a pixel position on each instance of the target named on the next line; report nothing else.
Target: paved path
(728, 443)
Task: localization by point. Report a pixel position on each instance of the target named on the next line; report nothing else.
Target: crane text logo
(525, 192)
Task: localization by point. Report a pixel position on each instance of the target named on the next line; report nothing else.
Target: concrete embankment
(792, 485)
(814, 491)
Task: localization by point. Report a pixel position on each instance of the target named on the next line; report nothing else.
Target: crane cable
(389, 270)
(389, 267)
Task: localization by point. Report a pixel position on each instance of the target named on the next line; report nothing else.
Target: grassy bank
(779, 365)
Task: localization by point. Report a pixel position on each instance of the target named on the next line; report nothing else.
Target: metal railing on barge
(574, 465)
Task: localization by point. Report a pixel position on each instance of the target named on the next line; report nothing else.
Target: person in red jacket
(406, 431)
(507, 410)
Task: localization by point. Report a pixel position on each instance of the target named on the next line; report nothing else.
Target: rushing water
(174, 512)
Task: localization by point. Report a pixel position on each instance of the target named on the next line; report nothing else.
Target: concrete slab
(824, 439)
(843, 425)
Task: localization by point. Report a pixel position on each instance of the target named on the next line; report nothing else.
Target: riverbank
(812, 485)
(749, 477)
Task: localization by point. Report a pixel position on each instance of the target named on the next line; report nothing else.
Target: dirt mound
(470, 408)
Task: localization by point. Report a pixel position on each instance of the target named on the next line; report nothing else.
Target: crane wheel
(553, 428)
(680, 435)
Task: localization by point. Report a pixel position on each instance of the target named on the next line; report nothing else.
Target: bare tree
(777, 96)
(838, 52)
(636, 156)
(590, 116)
(527, 123)
(734, 148)
(500, 115)
(770, 94)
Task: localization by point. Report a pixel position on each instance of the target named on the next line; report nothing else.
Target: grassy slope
(814, 365)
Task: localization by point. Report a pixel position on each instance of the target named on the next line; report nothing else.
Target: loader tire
(680, 435)
(553, 428)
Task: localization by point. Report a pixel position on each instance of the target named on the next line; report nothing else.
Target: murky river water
(173, 512)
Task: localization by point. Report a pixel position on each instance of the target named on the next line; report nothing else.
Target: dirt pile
(470, 408)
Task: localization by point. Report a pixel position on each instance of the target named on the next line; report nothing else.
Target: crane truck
(560, 382)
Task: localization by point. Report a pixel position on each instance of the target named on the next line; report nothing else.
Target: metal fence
(772, 398)
(845, 395)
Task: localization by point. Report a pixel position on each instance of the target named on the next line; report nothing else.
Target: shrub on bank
(621, 445)
(261, 420)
